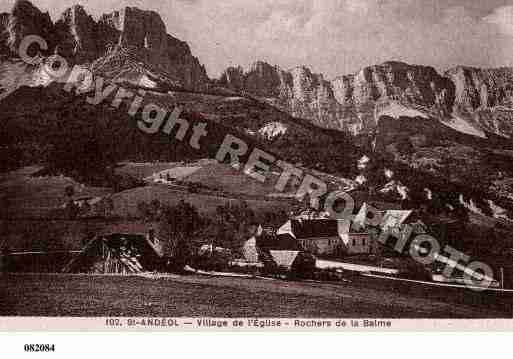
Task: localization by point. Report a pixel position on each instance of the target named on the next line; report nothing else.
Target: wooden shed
(112, 252)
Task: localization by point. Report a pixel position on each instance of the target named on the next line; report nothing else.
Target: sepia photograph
(304, 165)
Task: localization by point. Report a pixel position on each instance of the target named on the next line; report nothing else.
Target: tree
(182, 220)
(4, 251)
(178, 225)
(151, 212)
(69, 191)
(87, 234)
(72, 209)
(109, 206)
(143, 210)
(232, 225)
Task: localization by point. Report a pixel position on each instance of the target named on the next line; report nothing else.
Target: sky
(334, 37)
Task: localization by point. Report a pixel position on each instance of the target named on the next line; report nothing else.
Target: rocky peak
(305, 81)
(261, 67)
(145, 32)
(4, 20)
(78, 37)
(303, 76)
(261, 79)
(347, 102)
(298, 91)
(392, 80)
(77, 31)
(75, 13)
(233, 77)
(482, 88)
(26, 19)
(138, 28)
(264, 80)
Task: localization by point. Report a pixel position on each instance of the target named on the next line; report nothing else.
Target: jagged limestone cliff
(81, 39)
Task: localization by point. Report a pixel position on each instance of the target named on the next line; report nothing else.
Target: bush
(214, 262)
(120, 183)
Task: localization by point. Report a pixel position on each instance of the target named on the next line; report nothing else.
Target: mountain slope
(448, 155)
(58, 118)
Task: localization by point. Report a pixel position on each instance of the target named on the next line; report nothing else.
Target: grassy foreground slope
(39, 295)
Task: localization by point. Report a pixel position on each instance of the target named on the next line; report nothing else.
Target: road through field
(201, 296)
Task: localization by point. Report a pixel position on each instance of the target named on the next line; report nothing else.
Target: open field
(142, 170)
(223, 177)
(23, 195)
(178, 296)
(125, 203)
(206, 172)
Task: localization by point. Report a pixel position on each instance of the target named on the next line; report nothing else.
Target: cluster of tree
(73, 210)
(176, 226)
(432, 194)
(184, 230)
(327, 151)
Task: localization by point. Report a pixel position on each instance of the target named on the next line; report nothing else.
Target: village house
(250, 250)
(86, 201)
(338, 238)
(268, 250)
(284, 252)
(327, 237)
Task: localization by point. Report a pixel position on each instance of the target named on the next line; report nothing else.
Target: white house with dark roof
(327, 237)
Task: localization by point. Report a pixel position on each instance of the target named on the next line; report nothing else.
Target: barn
(119, 250)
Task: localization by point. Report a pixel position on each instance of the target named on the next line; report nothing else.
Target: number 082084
(39, 348)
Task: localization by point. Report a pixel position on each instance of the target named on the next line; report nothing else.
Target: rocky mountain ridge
(477, 88)
(80, 38)
(484, 97)
(298, 91)
(478, 100)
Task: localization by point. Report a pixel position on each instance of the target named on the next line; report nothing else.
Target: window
(354, 242)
